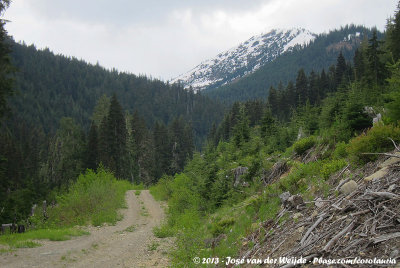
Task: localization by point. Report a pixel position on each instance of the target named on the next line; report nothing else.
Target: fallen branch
(336, 237)
(391, 155)
(360, 212)
(321, 218)
(353, 244)
(316, 201)
(395, 145)
(385, 195)
(385, 237)
(340, 174)
(278, 246)
(305, 157)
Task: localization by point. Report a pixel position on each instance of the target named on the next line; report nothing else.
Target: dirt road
(130, 243)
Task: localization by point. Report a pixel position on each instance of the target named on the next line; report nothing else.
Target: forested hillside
(320, 54)
(49, 87)
(256, 190)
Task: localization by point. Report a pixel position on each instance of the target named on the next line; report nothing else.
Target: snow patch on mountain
(244, 59)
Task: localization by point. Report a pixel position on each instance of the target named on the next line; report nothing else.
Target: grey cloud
(123, 12)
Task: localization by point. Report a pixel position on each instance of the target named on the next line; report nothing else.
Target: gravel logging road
(130, 243)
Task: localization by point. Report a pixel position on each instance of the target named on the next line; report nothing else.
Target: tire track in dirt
(130, 243)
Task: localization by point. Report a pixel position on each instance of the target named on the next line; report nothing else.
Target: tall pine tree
(92, 150)
(393, 34)
(114, 140)
(6, 69)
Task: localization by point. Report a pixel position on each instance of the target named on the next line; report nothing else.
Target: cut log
(336, 237)
(385, 195)
(321, 218)
(391, 155)
(385, 237)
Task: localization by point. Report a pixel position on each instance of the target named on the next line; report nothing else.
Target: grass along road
(130, 243)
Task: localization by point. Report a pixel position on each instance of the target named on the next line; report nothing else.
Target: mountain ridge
(320, 54)
(243, 59)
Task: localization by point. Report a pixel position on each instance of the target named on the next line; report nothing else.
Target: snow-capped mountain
(243, 59)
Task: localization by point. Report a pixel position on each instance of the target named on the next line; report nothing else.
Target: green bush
(340, 151)
(94, 198)
(221, 226)
(162, 190)
(162, 231)
(331, 167)
(374, 141)
(183, 197)
(301, 146)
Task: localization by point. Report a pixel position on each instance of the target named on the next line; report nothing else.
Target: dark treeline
(48, 87)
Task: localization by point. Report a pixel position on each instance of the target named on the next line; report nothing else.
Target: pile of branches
(363, 224)
(354, 225)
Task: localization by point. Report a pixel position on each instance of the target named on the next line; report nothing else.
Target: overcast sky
(164, 38)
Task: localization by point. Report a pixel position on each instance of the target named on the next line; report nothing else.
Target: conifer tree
(393, 105)
(359, 64)
(162, 150)
(188, 141)
(115, 134)
(273, 99)
(323, 84)
(66, 154)
(101, 109)
(393, 34)
(103, 144)
(315, 96)
(143, 154)
(302, 93)
(92, 153)
(291, 95)
(254, 110)
(241, 132)
(234, 115)
(6, 69)
(376, 66)
(226, 128)
(176, 134)
(340, 70)
(268, 125)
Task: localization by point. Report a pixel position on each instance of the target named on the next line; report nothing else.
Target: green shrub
(301, 146)
(375, 140)
(94, 198)
(331, 167)
(163, 231)
(222, 226)
(139, 186)
(340, 151)
(183, 195)
(162, 190)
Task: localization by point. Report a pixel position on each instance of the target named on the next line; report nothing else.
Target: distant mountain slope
(321, 53)
(50, 86)
(244, 59)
